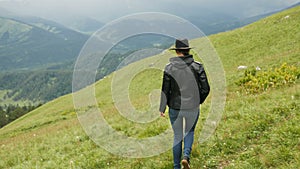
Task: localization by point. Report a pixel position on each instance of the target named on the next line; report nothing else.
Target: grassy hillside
(257, 130)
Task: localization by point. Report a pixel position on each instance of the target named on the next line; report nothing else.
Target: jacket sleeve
(164, 92)
(204, 85)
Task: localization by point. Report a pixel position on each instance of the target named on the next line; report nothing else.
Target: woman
(184, 88)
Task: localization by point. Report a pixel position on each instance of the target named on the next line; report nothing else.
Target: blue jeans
(176, 118)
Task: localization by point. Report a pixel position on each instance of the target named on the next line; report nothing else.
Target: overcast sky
(106, 10)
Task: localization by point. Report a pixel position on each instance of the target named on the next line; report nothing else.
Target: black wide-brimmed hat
(181, 44)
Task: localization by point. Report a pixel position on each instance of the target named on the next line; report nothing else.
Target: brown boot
(185, 163)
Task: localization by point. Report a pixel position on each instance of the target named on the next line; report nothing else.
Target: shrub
(255, 81)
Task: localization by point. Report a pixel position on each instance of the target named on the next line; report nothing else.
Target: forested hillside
(9, 113)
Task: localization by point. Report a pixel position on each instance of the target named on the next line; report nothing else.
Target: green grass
(256, 131)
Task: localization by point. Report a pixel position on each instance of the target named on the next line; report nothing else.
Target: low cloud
(107, 10)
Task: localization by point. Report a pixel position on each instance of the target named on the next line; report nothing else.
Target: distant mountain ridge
(44, 52)
(36, 59)
(212, 24)
(29, 43)
(81, 24)
(297, 4)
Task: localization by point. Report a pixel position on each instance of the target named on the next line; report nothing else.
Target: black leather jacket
(185, 85)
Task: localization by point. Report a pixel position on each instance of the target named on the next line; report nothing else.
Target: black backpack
(202, 81)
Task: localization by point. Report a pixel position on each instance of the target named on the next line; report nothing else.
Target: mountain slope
(82, 24)
(213, 22)
(256, 131)
(34, 43)
(44, 52)
(37, 57)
